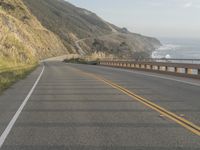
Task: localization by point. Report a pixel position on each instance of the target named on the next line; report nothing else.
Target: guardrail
(178, 69)
(187, 61)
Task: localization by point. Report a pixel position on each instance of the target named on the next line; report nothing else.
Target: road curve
(72, 110)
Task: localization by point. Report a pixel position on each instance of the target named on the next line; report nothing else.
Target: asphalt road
(69, 110)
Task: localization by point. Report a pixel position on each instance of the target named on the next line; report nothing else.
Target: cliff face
(124, 45)
(35, 29)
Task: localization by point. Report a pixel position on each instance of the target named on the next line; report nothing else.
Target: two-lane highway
(70, 109)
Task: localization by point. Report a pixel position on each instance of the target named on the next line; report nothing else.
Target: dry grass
(11, 75)
(23, 38)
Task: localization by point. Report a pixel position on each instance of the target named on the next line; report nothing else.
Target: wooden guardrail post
(166, 68)
(140, 65)
(176, 69)
(146, 66)
(158, 68)
(150, 67)
(186, 70)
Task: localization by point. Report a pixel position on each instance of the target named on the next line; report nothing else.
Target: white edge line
(15, 117)
(156, 76)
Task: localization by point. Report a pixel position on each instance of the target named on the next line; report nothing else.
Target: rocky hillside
(124, 45)
(71, 23)
(67, 21)
(22, 37)
(37, 29)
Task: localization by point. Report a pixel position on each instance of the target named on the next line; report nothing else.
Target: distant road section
(70, 109)
(77, 43)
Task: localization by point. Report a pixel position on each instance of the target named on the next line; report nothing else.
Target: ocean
(178, 49)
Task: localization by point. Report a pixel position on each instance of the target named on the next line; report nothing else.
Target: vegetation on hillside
(23, 40)
(81, 61)
(8, 76)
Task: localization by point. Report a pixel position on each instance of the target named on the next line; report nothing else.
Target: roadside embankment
(8, 76)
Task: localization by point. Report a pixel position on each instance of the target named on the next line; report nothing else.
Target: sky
(158, 18)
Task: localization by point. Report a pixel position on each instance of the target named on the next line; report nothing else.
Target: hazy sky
(160, 18)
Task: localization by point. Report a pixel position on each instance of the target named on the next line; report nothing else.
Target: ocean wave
(165, 51)
(181, 49)
(168, 47)
(156, 54)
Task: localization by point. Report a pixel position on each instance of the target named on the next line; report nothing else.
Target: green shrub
(80, 61)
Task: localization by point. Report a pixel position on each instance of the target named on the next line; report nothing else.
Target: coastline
(178, 49)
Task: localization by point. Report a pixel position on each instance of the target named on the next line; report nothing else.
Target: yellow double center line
(181, 121)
